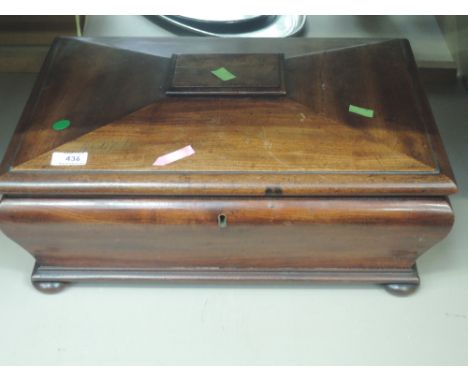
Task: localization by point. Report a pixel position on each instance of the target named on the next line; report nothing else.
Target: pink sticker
(174, 156)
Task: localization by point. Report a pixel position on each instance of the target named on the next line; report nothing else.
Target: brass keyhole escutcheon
(222, 221)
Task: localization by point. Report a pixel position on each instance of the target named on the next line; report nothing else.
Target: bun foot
(49, 287)
(401, 289)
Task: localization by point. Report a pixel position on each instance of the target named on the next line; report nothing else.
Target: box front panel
(227, 233)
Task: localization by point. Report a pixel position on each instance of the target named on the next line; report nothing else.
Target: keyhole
(222, 221)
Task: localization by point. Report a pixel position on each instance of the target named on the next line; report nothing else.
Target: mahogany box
(242, 160)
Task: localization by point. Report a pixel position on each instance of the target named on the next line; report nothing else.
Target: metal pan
(271, 26)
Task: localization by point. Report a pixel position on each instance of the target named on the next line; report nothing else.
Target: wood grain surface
(304, 143)
(267, 233)
(251, 74)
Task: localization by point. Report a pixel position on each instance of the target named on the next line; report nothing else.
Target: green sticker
(61, 124)
(223, 74)
(369, 113)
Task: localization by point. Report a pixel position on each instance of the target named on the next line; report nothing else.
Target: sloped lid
(293, 117)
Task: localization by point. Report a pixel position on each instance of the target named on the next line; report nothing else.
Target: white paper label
(69, 159)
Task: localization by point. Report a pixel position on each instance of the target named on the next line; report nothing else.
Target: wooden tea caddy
(286, 184)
